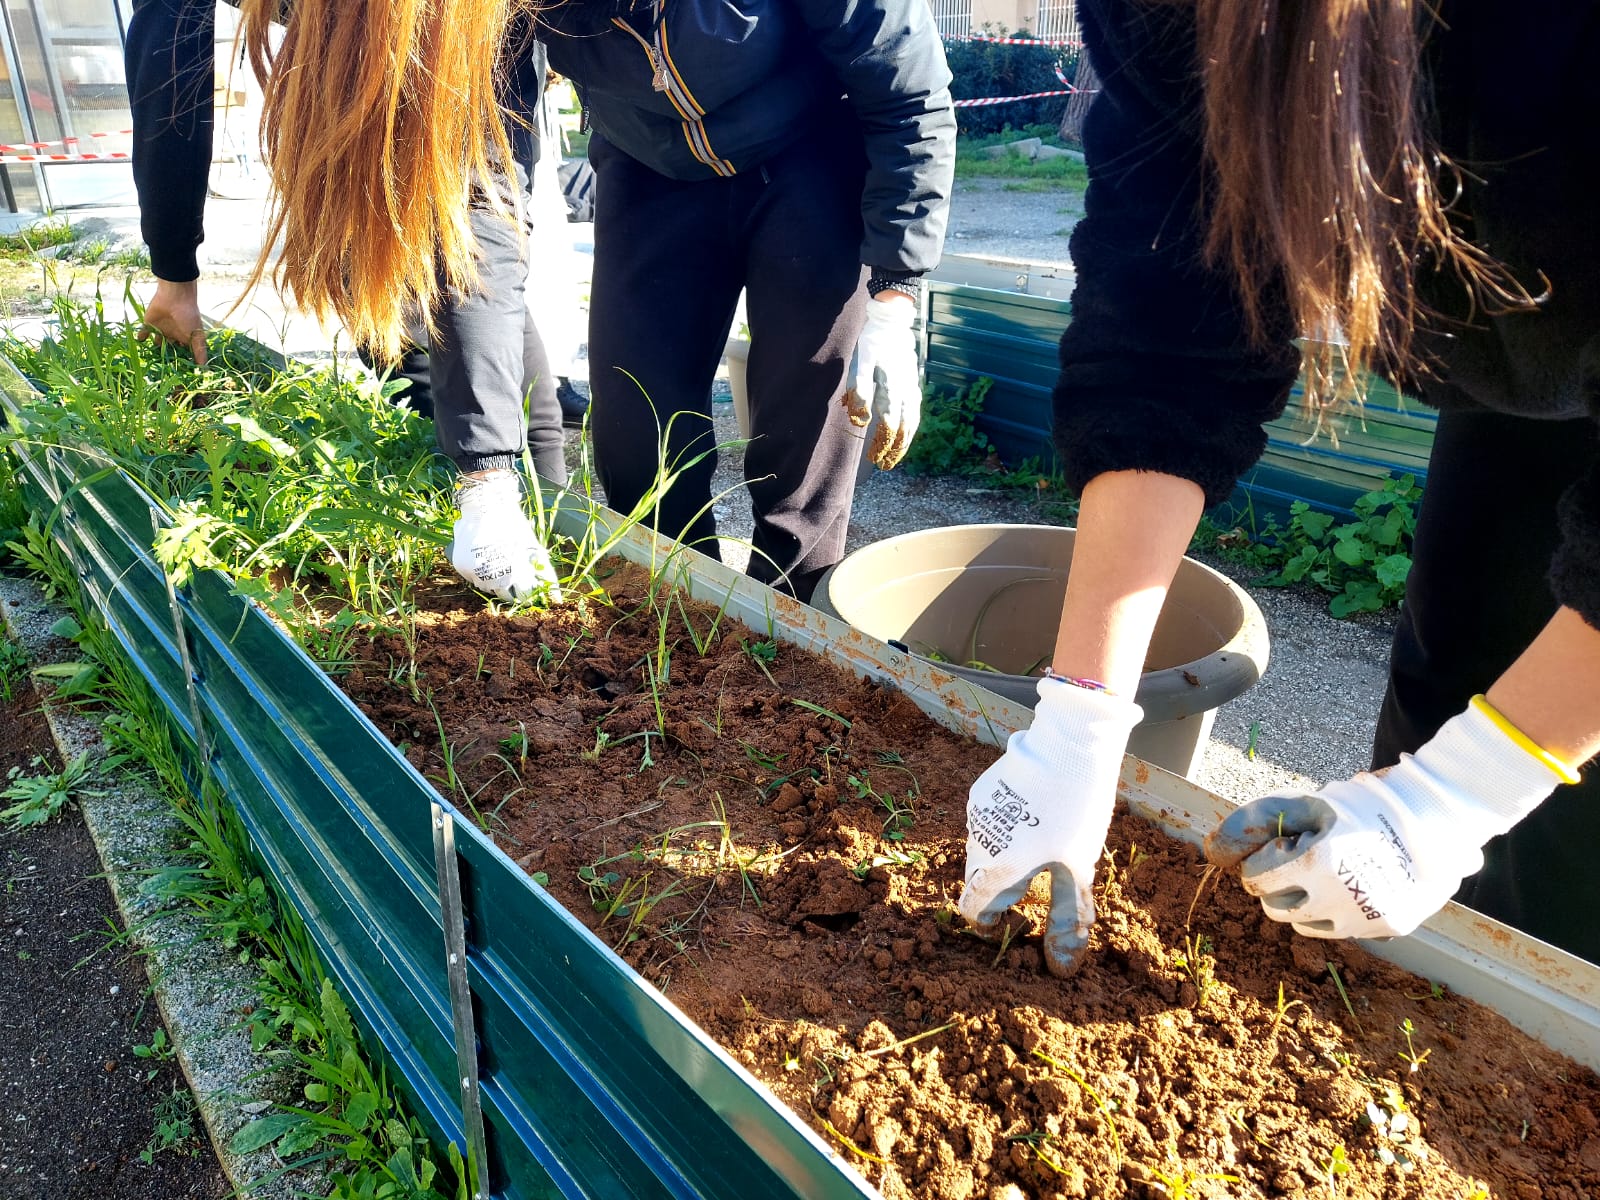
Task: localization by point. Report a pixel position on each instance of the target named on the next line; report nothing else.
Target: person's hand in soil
(1046, 806)
(494, 546)
(886, 386)
(1377, 855)
(173, 315)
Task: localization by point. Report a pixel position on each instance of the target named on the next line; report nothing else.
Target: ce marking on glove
(994, 825)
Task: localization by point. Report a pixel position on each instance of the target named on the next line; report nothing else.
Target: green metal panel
(1012, 339)
(592, 1084)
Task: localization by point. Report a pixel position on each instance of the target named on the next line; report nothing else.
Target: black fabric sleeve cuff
(1575, 569)
(1145, 435)
(174, 266)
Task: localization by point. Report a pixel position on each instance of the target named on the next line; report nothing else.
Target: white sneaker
(494, 547)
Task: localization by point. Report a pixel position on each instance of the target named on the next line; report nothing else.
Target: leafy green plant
(1410, 1054)
(24, 243)
(948, 440)
(175, 1115)
(157, 1050)
(1363, 562)
(39, 797)
(13, 668)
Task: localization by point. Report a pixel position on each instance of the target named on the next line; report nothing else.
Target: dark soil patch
(79, 1106)
(747, 862)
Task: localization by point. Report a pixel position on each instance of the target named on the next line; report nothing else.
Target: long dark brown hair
(1323, 170)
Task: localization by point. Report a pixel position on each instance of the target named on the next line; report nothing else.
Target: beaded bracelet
(1088, 685)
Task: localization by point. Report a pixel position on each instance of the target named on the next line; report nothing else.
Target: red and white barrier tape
(20, 147)
(987, 100)
(1067, 43)
(121, 155)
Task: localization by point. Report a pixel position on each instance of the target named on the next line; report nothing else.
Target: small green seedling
(1399, 1134)
(763, 653)
(891, 858)
(517, 743)
(13, 666)
(1283, 1009)
(1179, 1185)
(602, 739)
(820, 711)
(1199, 964)
(1250, 754)
(175, 1126)
(158, 1050)
(1409, 1054)
(1338, 1164)
(1099, 1100)
(1436, 991)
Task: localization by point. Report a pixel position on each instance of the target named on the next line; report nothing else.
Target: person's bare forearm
(1552, 692)
(1133, 527)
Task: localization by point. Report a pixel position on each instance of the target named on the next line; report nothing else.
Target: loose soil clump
(778, 846)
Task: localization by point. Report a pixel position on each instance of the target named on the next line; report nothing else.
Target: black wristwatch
(911, 285)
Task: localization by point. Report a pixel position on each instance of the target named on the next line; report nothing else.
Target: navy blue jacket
(695, 89)
(1157, 372)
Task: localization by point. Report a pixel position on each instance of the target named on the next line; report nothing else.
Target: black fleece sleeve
(888, 55)
(1575, 569)
(171, 60)
(1157, 370)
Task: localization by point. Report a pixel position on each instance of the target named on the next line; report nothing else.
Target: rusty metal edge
(1547, 993)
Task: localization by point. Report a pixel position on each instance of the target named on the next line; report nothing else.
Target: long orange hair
(381, 119)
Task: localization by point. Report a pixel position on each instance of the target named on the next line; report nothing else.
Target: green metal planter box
(515, 1032)
(977, 329)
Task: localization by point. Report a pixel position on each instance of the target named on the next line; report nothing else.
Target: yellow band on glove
(1565, 772)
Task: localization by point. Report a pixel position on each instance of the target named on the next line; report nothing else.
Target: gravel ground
(989, 218)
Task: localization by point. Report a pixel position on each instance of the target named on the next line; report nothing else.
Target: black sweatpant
(670, 260)
(485, 361)
(1476, 597)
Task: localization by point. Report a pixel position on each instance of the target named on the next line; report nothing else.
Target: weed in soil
(750, 871)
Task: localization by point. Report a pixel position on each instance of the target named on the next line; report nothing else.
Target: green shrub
(1363, 562)
(948, 441)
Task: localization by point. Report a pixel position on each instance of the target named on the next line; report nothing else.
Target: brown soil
(79, 1106)
(741, 864)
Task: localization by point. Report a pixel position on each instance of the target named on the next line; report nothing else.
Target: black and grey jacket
(1156, 370)
(696, 89)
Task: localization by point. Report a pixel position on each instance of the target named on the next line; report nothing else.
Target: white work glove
(1377, 855)
(1046, 806)
(885, 384)
(493, 545)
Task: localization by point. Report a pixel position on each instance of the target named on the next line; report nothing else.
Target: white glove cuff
(889, 316)
(1475, 774)
(1067, 716)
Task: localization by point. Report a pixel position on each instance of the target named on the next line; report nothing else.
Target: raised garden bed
(776, 844)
